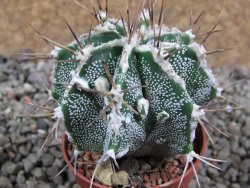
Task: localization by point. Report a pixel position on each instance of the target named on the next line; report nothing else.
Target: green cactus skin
(151, 104)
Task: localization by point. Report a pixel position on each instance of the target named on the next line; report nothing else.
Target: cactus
(132, 89)
(126, 90)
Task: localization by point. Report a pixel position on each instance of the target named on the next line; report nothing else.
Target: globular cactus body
(132, 93)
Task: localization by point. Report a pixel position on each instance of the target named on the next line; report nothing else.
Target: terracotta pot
(200, 145)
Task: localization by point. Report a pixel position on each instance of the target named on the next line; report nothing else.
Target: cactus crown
(132, 89)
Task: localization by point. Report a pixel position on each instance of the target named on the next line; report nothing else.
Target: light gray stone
(20, 179)
(245, 166)
(234, 145)
(30, 184)
(12, 179)
(244, 142)
(51, 172)
(234, 129)
(47, 159)
(23, 151)
(27, 164)
(56, 153)
(220, 185)
(28, 88)
(235, 158)
(5, 183)
(34, 158)
(246, 127)
(244, 178)
(3, 77)
(3, 140)
(5, 166)
(212, 172)
(241, 152)
(13, 168)
(38, 173)
(231, 174)
(235, 185)
(224, 152)
(58, 163)
(43, 185)
(76, 186)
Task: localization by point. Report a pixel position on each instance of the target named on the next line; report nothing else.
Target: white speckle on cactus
(149, 33)
(72, 73)
(144, 48)
(169, 45)
(115, 117)
(190, 34)
(124, 60)
(201, 54)
(146, 18)
(122, 153)
(106, 101)
(167, 68)
(75, 72)
(172, 30)
(116, 42)
(102, 15)
(219, 91)
(87, 51)
(79, 56)
(146, 14)
(128, 120)
(54, 52)
(76, 153)
(124, 65)
(193, 128)
(102, 84)
(115, 120)
(199, 49)
(69, 136)
(83, 58)
(106, 26)
(162, 116)
(58, 113)
(118, 94)
(135, 40)
(160, 141)
(81, 82)
(107, 155)
(143, 105)
(117, 22)
(190, 156)
(197, 113)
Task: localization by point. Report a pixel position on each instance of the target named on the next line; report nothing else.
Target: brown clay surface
(47, 15)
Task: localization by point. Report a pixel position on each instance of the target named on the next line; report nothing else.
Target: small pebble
(5, 183)
(245, 166)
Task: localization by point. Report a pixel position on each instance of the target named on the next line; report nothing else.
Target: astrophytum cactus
(132, 89)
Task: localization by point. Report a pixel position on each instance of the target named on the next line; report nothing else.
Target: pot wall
(200, 140)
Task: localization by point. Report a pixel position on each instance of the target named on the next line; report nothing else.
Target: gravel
(21, 164)
(236, 124)
(21, 138)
